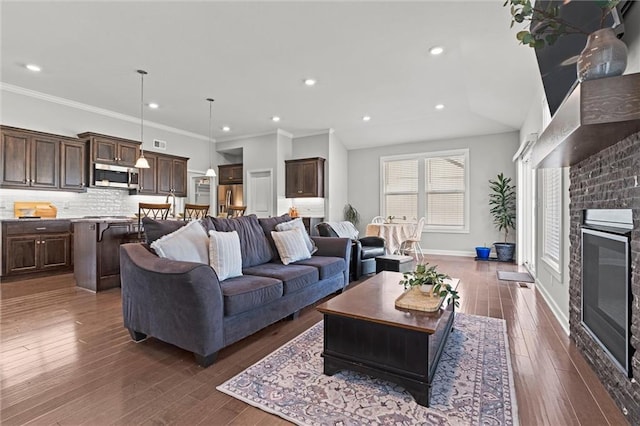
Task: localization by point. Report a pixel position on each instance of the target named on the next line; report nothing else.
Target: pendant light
(210, 172)
(141, 162)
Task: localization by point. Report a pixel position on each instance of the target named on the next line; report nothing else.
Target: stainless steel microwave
(110, 175)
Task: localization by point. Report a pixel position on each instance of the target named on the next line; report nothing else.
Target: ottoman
(395, 263)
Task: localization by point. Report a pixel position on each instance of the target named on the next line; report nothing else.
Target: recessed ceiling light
(226, 129)
(366, 118)
(310, 82)
(275, 118)
(153, 105)
(33, 67)
(439, 106)
(436, 50)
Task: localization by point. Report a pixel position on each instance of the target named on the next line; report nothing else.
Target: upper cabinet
(304, 178)
(229, 174)
(148, 178)
(36, 160)
(112, 150)
(172, 175)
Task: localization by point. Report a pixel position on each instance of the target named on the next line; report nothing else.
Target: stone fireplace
(609, 179)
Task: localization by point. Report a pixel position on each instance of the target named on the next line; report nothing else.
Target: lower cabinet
(35, 246)
(97, 253)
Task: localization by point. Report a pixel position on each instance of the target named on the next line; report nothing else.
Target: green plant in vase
(430, 281)
(351, 214)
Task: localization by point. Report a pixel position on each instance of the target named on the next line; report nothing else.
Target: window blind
(445, 187)
(551, 200)
(401, 188)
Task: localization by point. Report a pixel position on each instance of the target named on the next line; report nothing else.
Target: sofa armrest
(333, 246)
(177, 302)
(372, 241)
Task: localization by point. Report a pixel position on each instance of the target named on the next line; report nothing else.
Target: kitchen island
(97, 250)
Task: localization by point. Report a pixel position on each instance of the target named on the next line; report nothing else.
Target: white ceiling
(370, 58)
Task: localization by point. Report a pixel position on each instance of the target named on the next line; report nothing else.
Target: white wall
(632, 38)
(338, 177)
(488, 156)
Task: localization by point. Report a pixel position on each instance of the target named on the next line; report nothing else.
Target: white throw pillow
(297, 224)
(225, 256)
(291, 245)
(189, 244)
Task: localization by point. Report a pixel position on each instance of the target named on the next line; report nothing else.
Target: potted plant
(431, 282)
(604, 54)
(351, 214)
(502, 201)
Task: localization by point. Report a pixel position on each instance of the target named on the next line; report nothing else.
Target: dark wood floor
(66, 359)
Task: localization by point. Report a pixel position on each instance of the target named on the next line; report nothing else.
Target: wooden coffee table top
(374, 300)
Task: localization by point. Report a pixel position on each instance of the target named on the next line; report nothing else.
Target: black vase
(504, 251)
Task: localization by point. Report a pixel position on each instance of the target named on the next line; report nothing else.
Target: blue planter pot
(482, 253)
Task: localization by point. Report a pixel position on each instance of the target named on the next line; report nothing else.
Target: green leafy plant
(502, 201)
(390, 218)
(424, 275)
(351, 214)
(548, 24)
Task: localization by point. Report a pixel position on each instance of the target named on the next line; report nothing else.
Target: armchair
(363, 250)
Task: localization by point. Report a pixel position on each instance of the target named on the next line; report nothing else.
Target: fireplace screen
(605, 292)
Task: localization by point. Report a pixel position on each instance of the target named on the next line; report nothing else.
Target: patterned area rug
(473, 384)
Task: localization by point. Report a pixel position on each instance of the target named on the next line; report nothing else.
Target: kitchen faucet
(173, 204)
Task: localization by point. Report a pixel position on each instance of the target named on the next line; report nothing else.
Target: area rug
(473, 384)
(515, 276)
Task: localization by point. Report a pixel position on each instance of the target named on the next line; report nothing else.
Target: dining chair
(377, 219)
(195, 211)
(236, 211)
(152, 210)
(413, 243)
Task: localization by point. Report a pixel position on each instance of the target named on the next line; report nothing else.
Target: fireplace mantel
(597, 114)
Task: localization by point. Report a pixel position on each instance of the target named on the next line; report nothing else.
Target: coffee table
(365, 332)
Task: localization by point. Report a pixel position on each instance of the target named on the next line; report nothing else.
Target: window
(433, 185)
(552, 216)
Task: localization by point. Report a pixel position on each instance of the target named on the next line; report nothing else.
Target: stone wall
(608, 180)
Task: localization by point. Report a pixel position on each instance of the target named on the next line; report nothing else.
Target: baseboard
(450, 252)
(555, 309)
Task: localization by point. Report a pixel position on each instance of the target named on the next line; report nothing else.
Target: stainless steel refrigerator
(229, 195)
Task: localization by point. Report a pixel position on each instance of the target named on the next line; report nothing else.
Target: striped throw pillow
(297, 224)
(224, 254)
(291, 245)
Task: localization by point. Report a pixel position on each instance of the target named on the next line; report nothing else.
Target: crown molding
(95, 110)
(284, 133)
(329, 131)
(248, 136)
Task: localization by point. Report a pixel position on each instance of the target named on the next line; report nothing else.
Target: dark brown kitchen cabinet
(230, 174)
(73, 169)
(172, 175)
(148, 178)
(36, 160)
(29, 159)
(97, 252)
(112, 150)
(304, 178)
(35, 246)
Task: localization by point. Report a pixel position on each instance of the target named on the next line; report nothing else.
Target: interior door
(260, 193)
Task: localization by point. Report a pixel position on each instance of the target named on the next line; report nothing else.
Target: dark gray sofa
(184, 303)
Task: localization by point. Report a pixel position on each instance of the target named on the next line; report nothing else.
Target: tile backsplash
(94, 202)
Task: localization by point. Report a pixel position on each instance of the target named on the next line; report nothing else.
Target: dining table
(393, 233)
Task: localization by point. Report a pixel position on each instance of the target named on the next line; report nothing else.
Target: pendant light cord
(142, 74)
(210, 119)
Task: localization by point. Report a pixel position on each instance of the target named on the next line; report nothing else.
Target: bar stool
(195, 211)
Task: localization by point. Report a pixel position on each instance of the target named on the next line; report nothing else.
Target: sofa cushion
(294, 277)
(225, 256)
(247, 292)
(297, 224)
(154, 229)
(188, 243)
(268, 224)
(327, 266)
(370, 252)
(253, 243)
(291, 245)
